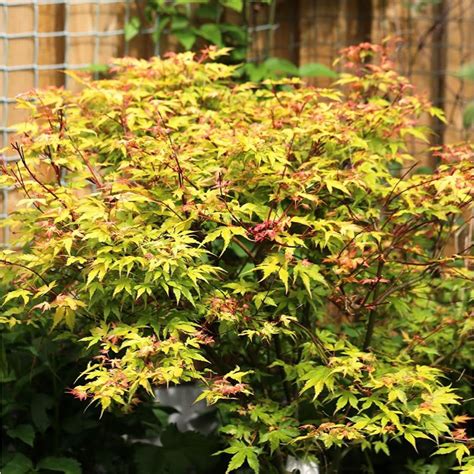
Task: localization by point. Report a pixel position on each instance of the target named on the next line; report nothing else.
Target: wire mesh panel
(41, 39)
(437, 39)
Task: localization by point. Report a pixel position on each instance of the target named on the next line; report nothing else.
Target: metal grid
(300, 30)
(34, 33)
(436, 41)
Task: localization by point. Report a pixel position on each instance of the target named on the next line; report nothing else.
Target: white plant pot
(301, 466)
(188, 413)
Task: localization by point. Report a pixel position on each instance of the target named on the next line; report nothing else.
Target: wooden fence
(40, 38)
(437, 40)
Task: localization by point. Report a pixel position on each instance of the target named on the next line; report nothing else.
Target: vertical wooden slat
(460, 33)
(359, 14)
(286, 36)
(20, 52)
(80, 18)
(51, 50)
(438, 67)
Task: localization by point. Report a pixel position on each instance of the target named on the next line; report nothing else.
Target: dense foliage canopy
(276, 244)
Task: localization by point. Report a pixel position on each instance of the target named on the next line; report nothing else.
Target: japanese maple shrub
(273, 243)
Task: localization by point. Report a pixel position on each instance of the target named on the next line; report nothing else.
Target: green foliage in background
(274, 243)
(191, 22)
(45, 429)
(220, 23)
